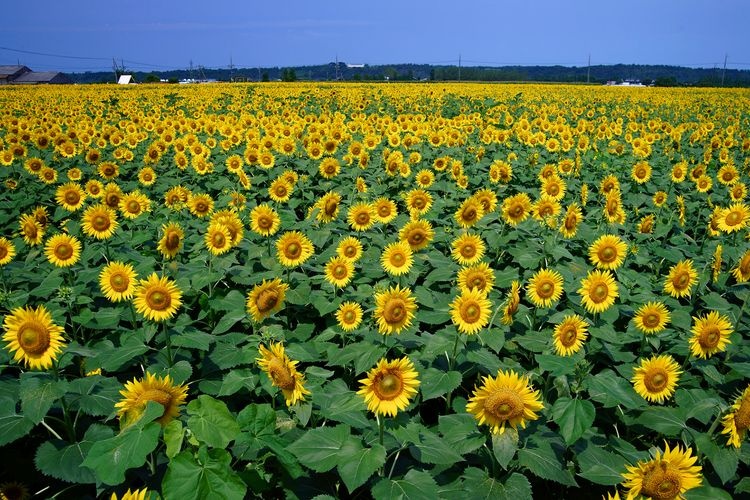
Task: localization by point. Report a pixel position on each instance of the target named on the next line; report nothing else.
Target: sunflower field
(374, 291)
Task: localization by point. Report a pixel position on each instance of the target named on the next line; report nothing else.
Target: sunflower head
(479, 276)
(394, 309)
(339, 271)
(293, 248)
(505, 400)
(99, 221)
(666, 476)
(389, 386)
(656, 378)
(63, 250)
(118, 281)
(470, 311)
(349, 248)
(266, 299)
(569, 335)
(608, 252)
(283, 372)
(397, 258)
(737, 421)
(7, 251)
(468, 249)
(349, 316)
(32, 337)
(710, 334)
(681, 279)
(137, 393)
(418, 233)
(652, 318)
(157, 298)
(598, 291)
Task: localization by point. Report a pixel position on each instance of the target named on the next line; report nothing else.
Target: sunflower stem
(170, 358)
(714, 425)
(53, 431)
(381, 431)
(210, 279)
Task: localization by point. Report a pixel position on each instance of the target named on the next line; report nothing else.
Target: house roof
(6, 71)
(40, 77)
(125, 79)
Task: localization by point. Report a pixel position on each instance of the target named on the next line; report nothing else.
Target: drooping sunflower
(171, 241)
(418, 233)
(349, 316)
(681, 279)
(736, 423)
(32, 231)
(469, 213)
(157, 298)
(598, 291)
(33, 337)
(118, 281)
(361, 216)
(62, 250)
(389, 386)
(608, 252)
(218, 240)
(283, 372)
(477, 277)
(264, 220)
(394, 309)
(710, 334)
(349, 248)
(656, 379)
(573, 217)
(646, 224)
(397, 258)
(545, 287)
(470, 311)
(468, 249)
(666, 476)
(137, 394)
(385, 210)
(741, 272)
(328, 206)
(734, 218)
(70, 196)
(7, 251)
(652, 317)
(339, 271)
(266, 299)
(512, 302)
(293, 248)
(507, 399)
(569, 335)
(99, 221)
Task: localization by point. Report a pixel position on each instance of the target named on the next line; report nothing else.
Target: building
(125, 79)
(22, 75)
(10, 73)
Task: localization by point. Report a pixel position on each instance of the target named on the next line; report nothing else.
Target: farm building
(22, 75)
(9, 73)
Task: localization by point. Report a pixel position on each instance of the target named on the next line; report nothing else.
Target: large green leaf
(207, 475)
(356, 463)
(211, 421)
(256, 422)
(574, 416)
(38, 394)
(174, 434)
(460, 432)
(480, 485)
(416, 485)
(63, 461)
(504, 446)
(610, 390)
(12, 425)
(724, 460)
(432, 449)
(436, 382)
(318, 449)
(539, 458)
(665, 420)
(600, 466)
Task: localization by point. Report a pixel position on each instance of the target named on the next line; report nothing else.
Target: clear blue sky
(161, 35)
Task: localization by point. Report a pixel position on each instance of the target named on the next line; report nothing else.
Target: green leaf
(415, 485)
(611, 390)
(63, 461)
(193, 339)
(256, 423)
(98, 395)
(356, 464)
(211, 421)
(668, 421)
(228, 320)
(478, 484)
(110, 458)
(504, 446)
(38, 394)
(460, 432)
(174, 434)
(12, 425)
(706, 492)
(557, 366)
(574, 416)
(600, 466)
(437, 382)
(336, 402)
(542, 461)
(743, 486)
(112, 358)
(318, 449)
(233, 301)
(209, 475)
(724, 460)
(236, 380)
(432, 449)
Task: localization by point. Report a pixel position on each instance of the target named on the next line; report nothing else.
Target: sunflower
(613, 211)
(176, 197)
(94, 188)
(703, 184)
(283, 372)
(656, 379)
(361, 216)
(728, 175)
(280, 190)
(70, 196)
(329, 168)
(7, 251)
(710, 334)
(31, 229)
(293, 248)
(477, 277)
(349, 316)
(681, 278)
(99, 221)
(469, 213)
(349, 248)
(553, 187)
(666, 476)
(573, 217)
(507, 399)
(397, 258)
(328, 206)
(117, 281)
(128, 495)
(266, 298)
(646, 224)
(738, 192)
(418, 233)
(157, 298)
(218, 240)
(394, 309)
(137, 394)
(679, 172)
(470, 311)
(545, 288)
(486, 198)
(14, 491)
(598, 291)
(48, 175)
(112, 194)
(264, 220)
(736, 422)
(171, 241)
(512, 302)
(63, 250)
(200, 205)
(641, 172)
(734, 218)
(134, 204)
(608, 252)
(385, 210)
(33, 337)
(419, 201)
(389, 386)
(569, 335)
(741, 273)
(233, 224)
(652, 317)
(339, 271)
(146, 176)
(467, 249)
(424, 178)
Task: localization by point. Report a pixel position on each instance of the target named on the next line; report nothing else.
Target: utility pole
(337, 68)
(459, 67)
(724, 71)
(231, 68)
(190, 75)
(588, 71)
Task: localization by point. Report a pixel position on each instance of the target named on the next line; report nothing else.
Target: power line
(53, 55)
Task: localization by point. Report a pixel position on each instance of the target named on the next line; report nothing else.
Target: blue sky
(161, 35)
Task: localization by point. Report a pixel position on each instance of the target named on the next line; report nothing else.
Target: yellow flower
(656, 379)
(741, 273)
(573, 217)
(512, 302)
(349, 316)
(339, 271)
(328, 206)
(641, 172)
(486, 198)
(117, 281)
(553, 187)
(468, 249)
(385, 210)
(137, 394)
(394, 309)
(349, 248)
(736, 422)
(569, 335)
(134, 204)
(218, 240)
(283, 372)
(99, 221)
(280, 190)
(329, 168)
(361, 216)
(545, 288)
(666, 476)
(652, 317)
(389, 386)
(70, 196)
(32, 231)
(418, 233)
(681, 278)
(397, 258)
(477, 277)
(470, 311)
(293, 248)
(419, 201)
(508, 399)
(734, 218)
(157, 298)
(598, 291)
(33, 337)
(608, 252)
(146, 176)
(710, 334)
(7, 251)
(200, 205)
(266, 298)
(264, 220)
(128, 495)
(63, 250)
(171, 241)
(516, 208)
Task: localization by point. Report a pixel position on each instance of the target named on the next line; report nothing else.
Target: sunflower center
(709, 337)
(468, 250)
(30, 230)
(384, 211)
(119, 282)
(599, 292)
(469, 214)
(661, 482)
(340, 271)
(330, 207)
(545, 210)
(172, 241)
(281, 191)
(350, 251)
(363, 218)
(570, 222)
(3, 251)
(33, 338)
(681, 281)
(133, 207)
(471, 312)
(416, 238)
(100, 223)
(419, 202)
(218, 240)
(394, 311)
(350, 316)
(733, 218)
(157, 395)
(568, 336)
(553, 189)
(72, 198)
(63, 251)
(504, 404)
(267, 300)
(201, 207)
(388, 386)
(398, 259)
(651, 320)
(158, 300)
(546, 290)
(478, 282)
(742, 415)
(516, 211)
(293, 250)
(607, 254)
(281, 375)
(656, 380)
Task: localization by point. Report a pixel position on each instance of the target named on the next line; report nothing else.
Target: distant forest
(647, 74)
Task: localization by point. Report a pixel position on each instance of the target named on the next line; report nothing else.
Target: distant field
(386, 291)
